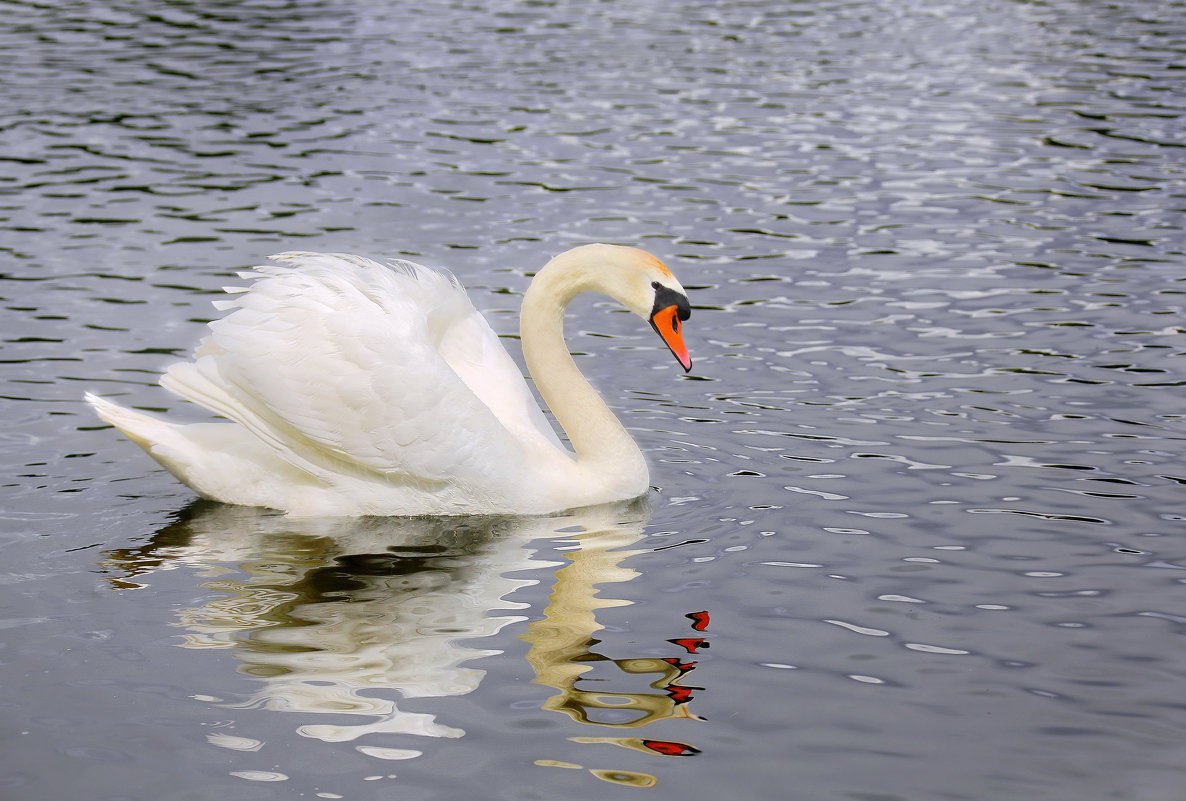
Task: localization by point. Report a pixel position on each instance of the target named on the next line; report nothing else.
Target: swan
(360, 388)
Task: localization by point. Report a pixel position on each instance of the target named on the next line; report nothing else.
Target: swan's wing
(337, 363)
(477, 356)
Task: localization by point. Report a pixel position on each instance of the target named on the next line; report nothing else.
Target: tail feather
(141, 428)
(216, 460)
(163, 441)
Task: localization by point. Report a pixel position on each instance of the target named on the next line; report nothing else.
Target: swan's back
(374, 379)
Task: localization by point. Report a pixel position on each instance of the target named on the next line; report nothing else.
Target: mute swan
(358, 388)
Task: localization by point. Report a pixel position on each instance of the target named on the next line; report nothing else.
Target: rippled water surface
(917, 529)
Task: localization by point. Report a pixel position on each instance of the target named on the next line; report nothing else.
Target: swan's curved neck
(599, 439)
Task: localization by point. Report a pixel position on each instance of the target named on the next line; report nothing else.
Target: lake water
(917, 530)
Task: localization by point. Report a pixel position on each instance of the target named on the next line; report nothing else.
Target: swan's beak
(666, 322)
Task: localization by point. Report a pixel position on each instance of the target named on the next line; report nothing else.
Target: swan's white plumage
(363, 388)
(382, 348)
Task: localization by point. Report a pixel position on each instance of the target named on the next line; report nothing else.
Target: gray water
(926, 478)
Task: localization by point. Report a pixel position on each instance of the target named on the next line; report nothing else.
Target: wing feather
(345, 365)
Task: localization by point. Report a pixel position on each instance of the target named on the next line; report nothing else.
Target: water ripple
(934, 255)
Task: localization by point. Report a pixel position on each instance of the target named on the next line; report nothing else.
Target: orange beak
(666, 323)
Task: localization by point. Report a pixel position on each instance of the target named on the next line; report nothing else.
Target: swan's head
(642, 284)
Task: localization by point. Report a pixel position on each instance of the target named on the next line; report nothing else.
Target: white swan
(358, 388)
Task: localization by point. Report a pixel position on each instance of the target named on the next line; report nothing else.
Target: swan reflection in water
(325, 611)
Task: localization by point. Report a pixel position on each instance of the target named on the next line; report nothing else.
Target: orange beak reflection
(666, 323)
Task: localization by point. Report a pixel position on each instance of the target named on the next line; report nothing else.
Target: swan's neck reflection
(561, 642)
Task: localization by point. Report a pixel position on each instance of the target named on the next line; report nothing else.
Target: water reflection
(337, 616)
(341, 618)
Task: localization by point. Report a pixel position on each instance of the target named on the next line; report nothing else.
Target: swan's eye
(666, 296)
